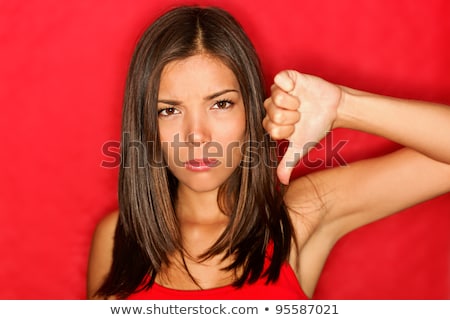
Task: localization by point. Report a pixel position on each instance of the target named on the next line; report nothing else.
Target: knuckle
(273, 132)
(278, 117)
(265, 123)
(276, 133)
(291, 130)
(279, 99)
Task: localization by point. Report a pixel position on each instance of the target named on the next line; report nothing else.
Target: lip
(204, 164)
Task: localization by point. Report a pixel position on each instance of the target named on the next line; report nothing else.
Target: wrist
(344, 109)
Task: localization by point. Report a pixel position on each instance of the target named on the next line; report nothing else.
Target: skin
(199, 100)
(323, 206)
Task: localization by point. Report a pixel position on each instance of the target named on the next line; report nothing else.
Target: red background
(62, 72)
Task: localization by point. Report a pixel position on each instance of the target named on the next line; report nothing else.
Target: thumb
(287, 164)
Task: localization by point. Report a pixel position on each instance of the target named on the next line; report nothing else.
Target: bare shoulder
(100, 257)
(326, 205)
(108, 222)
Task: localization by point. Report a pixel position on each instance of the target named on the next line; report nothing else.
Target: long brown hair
(147, 232)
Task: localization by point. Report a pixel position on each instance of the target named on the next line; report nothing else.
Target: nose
(197, 129)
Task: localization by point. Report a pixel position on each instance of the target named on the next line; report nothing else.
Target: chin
(200, 186)
(204, 182)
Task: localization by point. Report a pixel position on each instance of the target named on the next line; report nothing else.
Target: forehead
(199, 72)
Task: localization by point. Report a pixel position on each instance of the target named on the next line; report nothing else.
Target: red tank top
(285, 288)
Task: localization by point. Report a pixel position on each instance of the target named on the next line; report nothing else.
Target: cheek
(168, 135)
(166, 139)
(165, 133)
(233, 145)
(234, 129)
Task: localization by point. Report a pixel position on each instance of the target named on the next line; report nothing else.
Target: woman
(201, 215)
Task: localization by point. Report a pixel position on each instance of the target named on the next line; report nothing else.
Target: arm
(100, 257)
(395, 182)
(303, 108)
(327, 204)
(422, 126)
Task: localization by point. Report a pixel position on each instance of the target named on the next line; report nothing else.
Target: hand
(302, 109)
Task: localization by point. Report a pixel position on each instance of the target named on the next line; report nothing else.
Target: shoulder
(105, 229)
(108, 223)
(100, 257)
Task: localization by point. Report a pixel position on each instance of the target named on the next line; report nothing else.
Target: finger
(285, 80)
(285, 100)
(277, 132)
(283, 117)
(288, 163)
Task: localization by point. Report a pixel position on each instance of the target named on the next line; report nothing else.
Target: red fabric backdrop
(62, 74)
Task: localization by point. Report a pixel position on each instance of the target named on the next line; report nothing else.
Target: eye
(223, 104)
(167, 112)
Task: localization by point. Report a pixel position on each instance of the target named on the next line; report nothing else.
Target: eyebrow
(209, 97)
(218, 94)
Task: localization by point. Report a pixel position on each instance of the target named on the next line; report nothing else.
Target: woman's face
(201, 121)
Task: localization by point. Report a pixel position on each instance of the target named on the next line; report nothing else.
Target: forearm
(419, 125)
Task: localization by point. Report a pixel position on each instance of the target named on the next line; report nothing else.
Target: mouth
(201, 164)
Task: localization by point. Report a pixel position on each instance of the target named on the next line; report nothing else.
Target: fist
(302, 109)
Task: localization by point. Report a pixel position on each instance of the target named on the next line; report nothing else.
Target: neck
(201, 221)
(198, 207)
